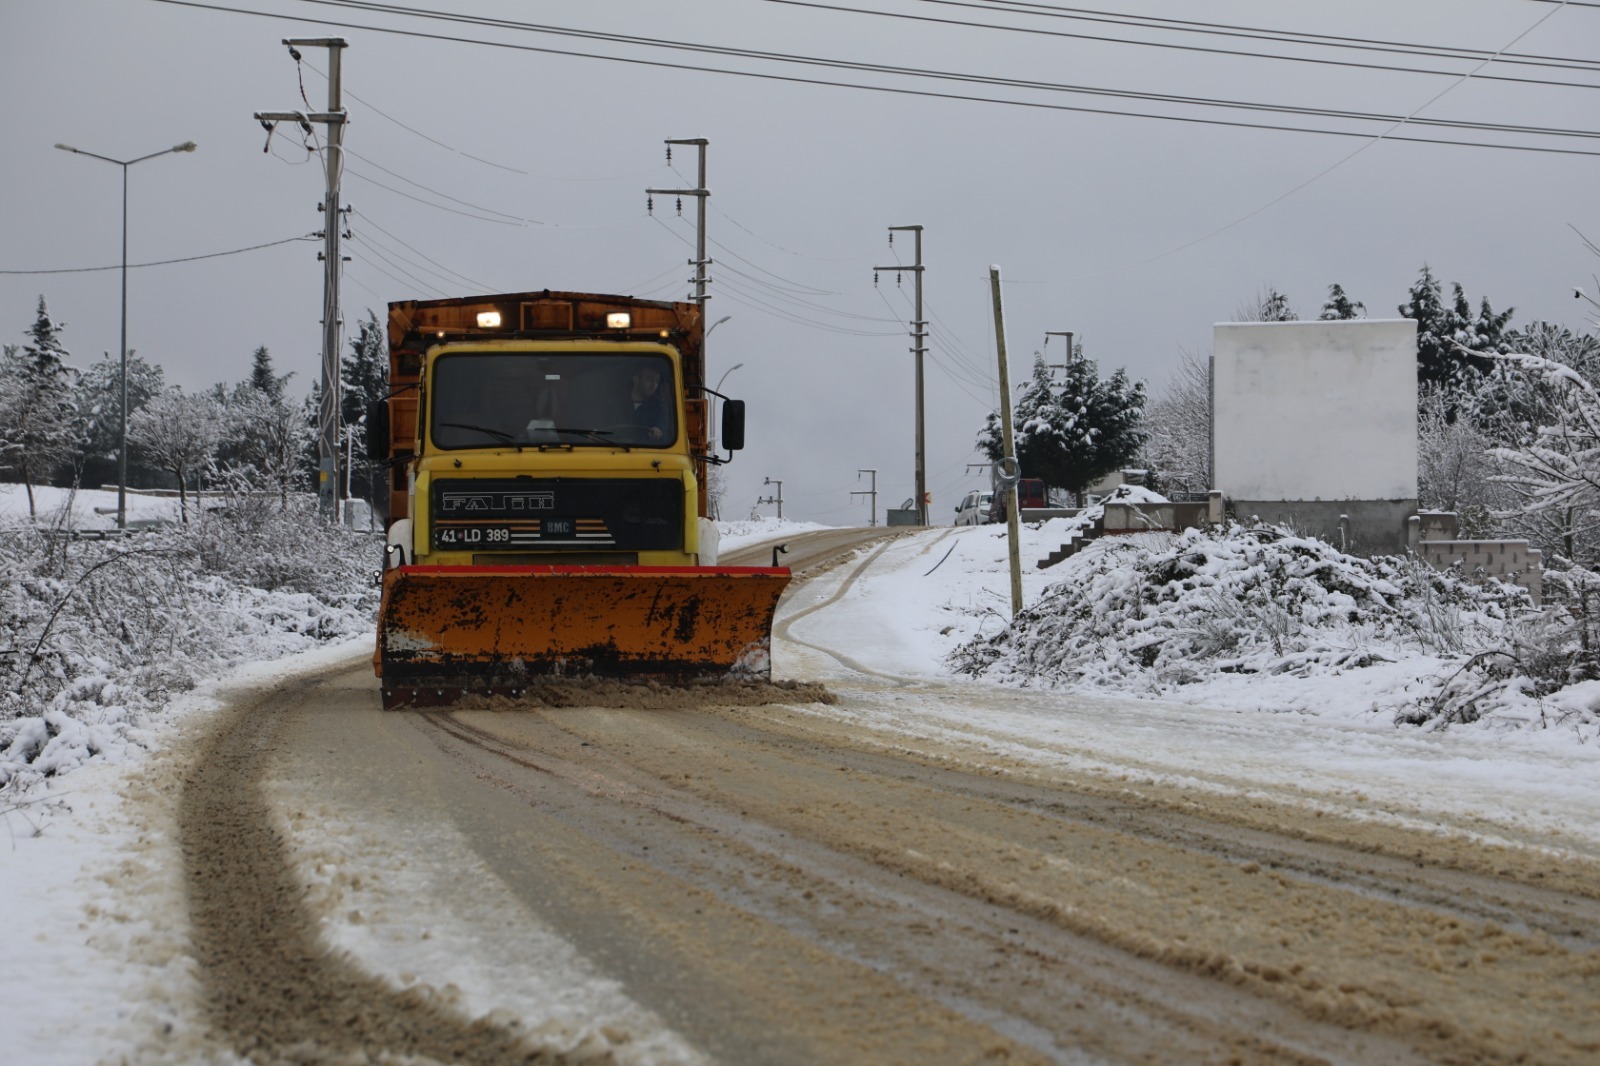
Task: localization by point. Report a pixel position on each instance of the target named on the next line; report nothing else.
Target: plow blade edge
(450, 630)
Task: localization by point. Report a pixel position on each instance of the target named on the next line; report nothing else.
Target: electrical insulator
(649, 205)
(874, 279)
(669, 153)
(891, 238)
(680, 205)
(897, 277)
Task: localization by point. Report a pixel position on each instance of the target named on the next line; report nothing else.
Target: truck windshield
(582, 398)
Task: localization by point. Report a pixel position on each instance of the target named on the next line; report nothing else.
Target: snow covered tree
(99, 417)
(1556, 475)
(1179, 425)
(1340, 306)
(262, 389)
(1270, 306)
(1450, 335)
(1456, 468)
(1071, 433)
(38, 431)
(1508, 403)
(364, 377)
(268, 437)
(180, 433)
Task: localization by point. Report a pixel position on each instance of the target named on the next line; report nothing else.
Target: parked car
(973, 510)
(1030, 494)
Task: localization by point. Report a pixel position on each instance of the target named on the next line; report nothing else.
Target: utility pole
(1059, 333)
(700, 193)
(778, 499)
(332, 319)
(1009, 483)
(873, 492)
(919, 334)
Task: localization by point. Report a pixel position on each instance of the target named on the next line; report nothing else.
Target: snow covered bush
(1157, 610)
(100, 633)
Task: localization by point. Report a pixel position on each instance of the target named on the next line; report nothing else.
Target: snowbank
(755, 530)
(1208, 611)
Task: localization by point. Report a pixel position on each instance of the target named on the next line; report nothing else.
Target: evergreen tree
(364, 375)
(1340, 306)
(1072, 432)
(39, 435)
(1445, 329)
(1270, 306)
(262, 377)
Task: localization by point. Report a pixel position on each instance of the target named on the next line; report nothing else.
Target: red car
(1030, 494)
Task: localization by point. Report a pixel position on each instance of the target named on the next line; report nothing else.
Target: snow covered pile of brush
(1166, 608)
(99, 634)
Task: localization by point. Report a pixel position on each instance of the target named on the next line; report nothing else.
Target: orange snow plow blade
(448, 631)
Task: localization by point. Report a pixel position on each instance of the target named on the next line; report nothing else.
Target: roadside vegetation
(102, 633)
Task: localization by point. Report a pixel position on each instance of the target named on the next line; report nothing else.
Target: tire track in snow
(274, 992)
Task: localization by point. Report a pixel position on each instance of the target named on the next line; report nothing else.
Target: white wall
(1315, 410)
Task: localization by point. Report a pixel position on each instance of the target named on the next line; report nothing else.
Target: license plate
(472, 536)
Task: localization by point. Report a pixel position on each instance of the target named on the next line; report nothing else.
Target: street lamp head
(186, 146)
(66, 148)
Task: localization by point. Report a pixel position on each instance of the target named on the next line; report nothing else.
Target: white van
(973, 510)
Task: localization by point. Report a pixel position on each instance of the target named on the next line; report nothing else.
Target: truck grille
(557, 514)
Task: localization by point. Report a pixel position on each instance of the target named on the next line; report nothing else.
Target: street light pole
(122, 419)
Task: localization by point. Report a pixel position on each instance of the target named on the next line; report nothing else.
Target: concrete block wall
(1508, 560)
(1140, 517)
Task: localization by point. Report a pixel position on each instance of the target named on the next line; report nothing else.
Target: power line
(1257, 33)
(404, 283)
(447, 196)
(1325, 171)
(385, 254)
(888, 89)
(923, 72)
(456, 273)
(772, 244)
(477, 158)
(165, 262)
(756, 303)
(1422, 50)
(437, 207)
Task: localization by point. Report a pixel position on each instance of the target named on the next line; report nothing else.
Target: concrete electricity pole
(700, 193)
(1059, 333)
(919, 334)
(872, 492)
(778, 499)
(1010, 473)
(332, 319)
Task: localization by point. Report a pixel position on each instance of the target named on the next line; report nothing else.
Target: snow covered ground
(93, 888)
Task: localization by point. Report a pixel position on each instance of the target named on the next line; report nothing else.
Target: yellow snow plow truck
(547, 509)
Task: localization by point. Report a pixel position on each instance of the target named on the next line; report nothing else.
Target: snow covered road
(923, 870)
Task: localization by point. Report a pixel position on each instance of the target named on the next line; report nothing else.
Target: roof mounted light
(488, 319)
(619, 320)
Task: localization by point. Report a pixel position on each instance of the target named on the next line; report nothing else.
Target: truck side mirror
(733, 424)
(378, 430)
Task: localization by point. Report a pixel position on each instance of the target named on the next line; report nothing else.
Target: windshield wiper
(497, 434)
(601, 435)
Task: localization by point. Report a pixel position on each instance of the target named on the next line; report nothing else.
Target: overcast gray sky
(515, 165)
